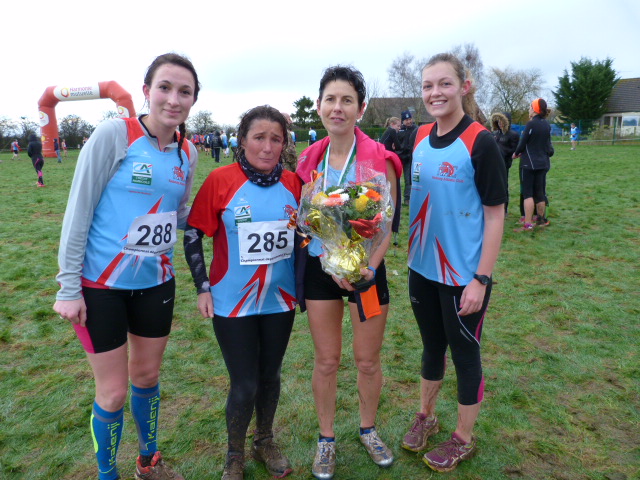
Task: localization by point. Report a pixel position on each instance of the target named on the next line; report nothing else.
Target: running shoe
(156, 470)
(446, 456)
(267, 451)
(527, 227)
(417, 437)
(543, 222)
(234, 467)
(377, 450)
(324, 464)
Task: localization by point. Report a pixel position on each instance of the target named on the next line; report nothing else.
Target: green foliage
(73, 129)
(584, 93)
(305, 115)
(560, 348)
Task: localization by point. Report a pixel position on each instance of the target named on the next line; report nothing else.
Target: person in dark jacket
(535, 150)
(507, 140)
(34, 150)
(216, 145)
(391, 142)
(406, 136)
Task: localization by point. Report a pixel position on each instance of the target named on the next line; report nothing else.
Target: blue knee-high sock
(145, 407)
(106, 429)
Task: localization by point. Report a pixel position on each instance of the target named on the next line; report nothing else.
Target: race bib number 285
(264, 242)
(152, 234)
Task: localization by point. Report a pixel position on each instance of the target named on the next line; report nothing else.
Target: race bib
(152, 234)
(264, 242)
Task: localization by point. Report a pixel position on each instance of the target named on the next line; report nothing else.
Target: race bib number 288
(152, 234)
(264, 242)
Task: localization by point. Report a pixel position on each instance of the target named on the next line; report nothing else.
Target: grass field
(560, 348)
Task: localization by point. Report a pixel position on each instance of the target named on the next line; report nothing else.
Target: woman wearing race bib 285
(117, 287)
(250, 291)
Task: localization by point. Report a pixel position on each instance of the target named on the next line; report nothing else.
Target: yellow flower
(361, 203)
(319, 198)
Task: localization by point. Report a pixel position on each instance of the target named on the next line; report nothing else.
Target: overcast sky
(250, 53)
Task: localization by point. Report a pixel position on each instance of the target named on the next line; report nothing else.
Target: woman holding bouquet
(245, 207)
(345, 156)
(456, 219)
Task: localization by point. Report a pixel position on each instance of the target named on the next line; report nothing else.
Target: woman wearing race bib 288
(129, 195)
(250, 290)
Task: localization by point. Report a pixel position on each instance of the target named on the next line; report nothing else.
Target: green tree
(73, 129)
(582, 95)
(305, 114)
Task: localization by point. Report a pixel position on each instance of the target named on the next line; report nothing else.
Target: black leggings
(253, 348)
(435, 307)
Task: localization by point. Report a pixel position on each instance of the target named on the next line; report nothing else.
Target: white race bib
(264, 242)
(152, 234)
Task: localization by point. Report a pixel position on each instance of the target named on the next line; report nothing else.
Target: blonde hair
(391, 120)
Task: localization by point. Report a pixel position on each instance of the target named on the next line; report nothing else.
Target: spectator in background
(290, 154)
(34, 150)
(390, 141)
(312, 136)
(56, 147)
(64, 148)
(216, 145)
(574, 136)
(507, 140)
(233, 144)
(225, 143)
(15, 148)
(405, 135)
(535, 150)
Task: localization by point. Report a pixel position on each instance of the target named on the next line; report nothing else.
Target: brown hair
(263, 112)
(179, 60)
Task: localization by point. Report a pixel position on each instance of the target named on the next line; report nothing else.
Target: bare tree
(511, 90)
(201, 123)
(405, 76)
(469, 54)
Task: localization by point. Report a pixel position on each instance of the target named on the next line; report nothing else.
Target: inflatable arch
(53, 95)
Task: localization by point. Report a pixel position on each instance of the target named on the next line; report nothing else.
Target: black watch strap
(483, 279)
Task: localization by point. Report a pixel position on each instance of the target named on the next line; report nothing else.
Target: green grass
(560, 348)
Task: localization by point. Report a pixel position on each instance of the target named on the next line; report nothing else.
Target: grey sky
(275, 52)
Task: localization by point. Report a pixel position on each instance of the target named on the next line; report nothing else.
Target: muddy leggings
(253, 348)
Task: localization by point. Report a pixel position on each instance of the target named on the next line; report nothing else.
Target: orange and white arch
(53, 95)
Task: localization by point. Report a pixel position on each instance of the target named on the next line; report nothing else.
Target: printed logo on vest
(446, 170)
(415, 175)
(242, 214)
(178, 174)
(142, 173)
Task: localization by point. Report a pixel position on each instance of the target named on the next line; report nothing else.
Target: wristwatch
(483, 279)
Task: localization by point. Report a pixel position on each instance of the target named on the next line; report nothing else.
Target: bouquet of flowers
(351, 221)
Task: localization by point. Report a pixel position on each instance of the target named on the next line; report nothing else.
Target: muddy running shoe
(324, 464)
(156, 470)
(446, 456)
(377, 450)
(233, 467)
(267, 451)
(417, 437)
(527, 227)
(542, 222)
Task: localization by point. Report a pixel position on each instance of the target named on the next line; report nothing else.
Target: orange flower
(373, 195)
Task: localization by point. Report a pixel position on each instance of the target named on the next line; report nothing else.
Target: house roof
(625, 96)
(379, 109)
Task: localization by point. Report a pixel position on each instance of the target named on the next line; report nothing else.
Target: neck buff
(261, 179)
